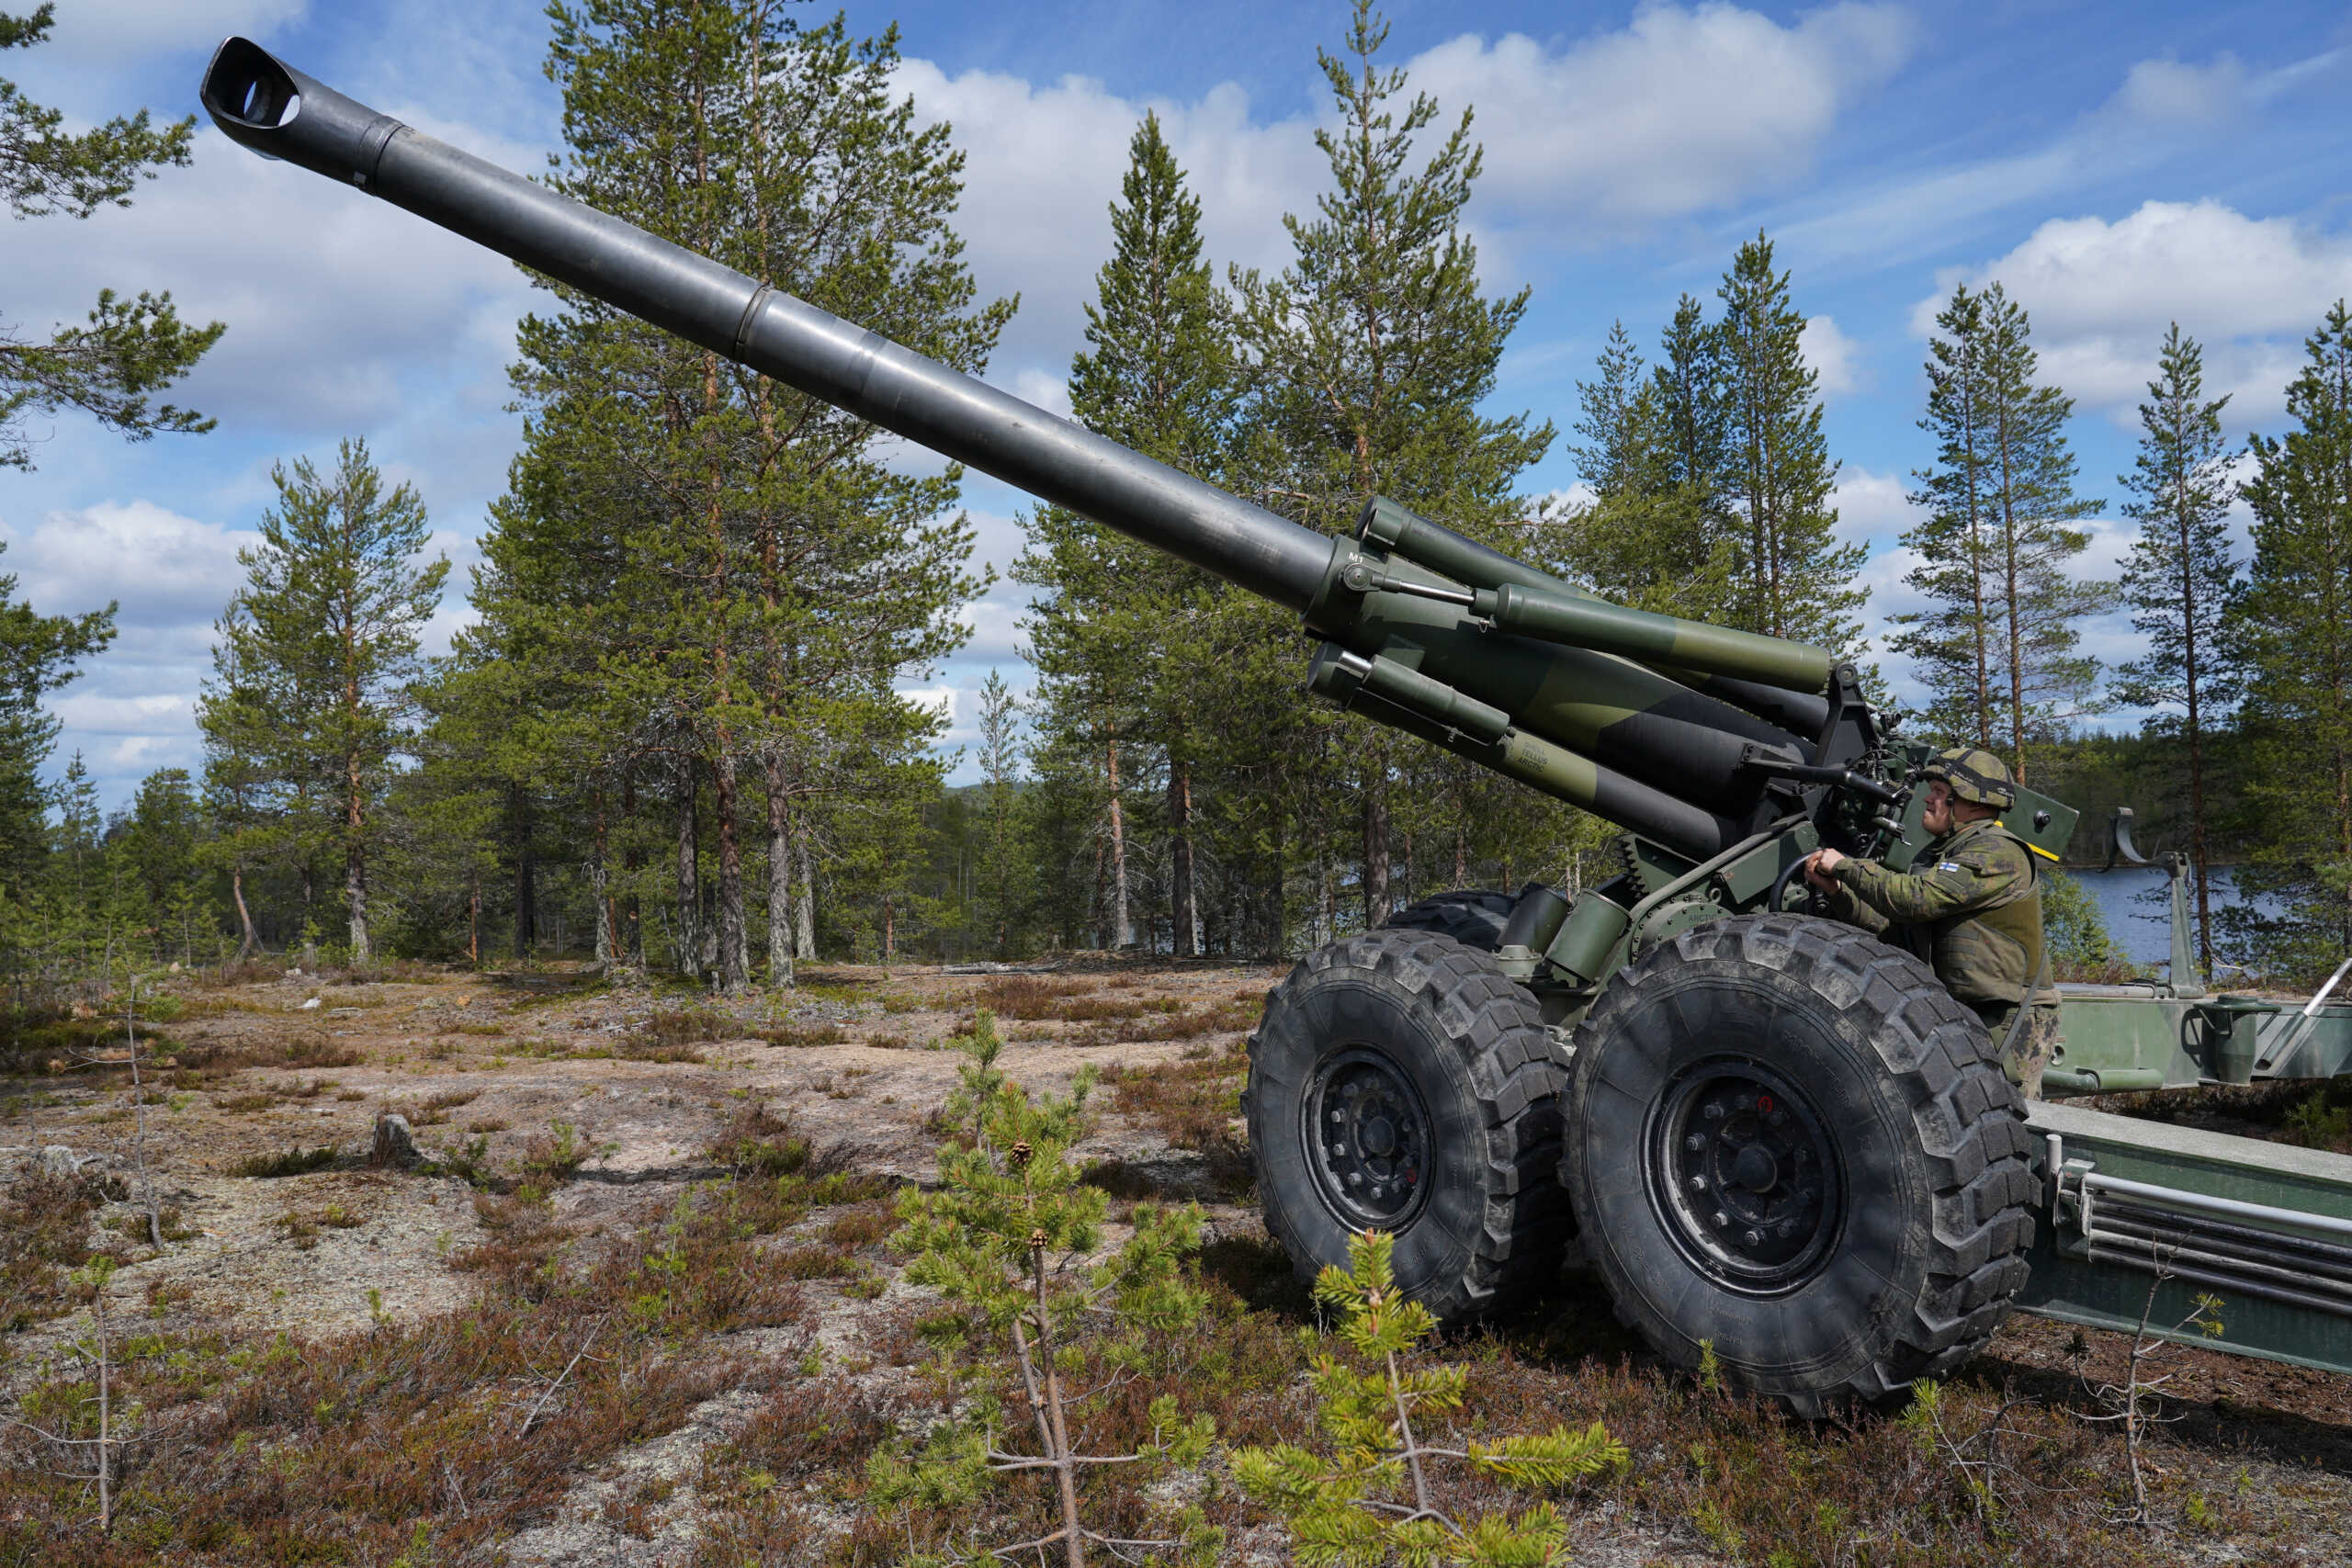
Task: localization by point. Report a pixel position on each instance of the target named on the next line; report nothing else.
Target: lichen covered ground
(637, 1302)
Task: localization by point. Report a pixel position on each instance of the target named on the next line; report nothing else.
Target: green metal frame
(2227, 1216)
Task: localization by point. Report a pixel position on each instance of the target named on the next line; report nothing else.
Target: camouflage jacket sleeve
(1842, 905)
(1971, 870)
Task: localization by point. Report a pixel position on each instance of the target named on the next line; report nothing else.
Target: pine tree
(38, 655)
(1951, 644)
(1374, 350)
(2182, 581)
(1000, 772)
(319, 648)
(1377, 1406)
(1778, 476)
(1612, 457)
(2036, 609)
(130, 347)
(159, 845)
(759, 574)
(2295, 632)
(1126, 638)
(1655, 536)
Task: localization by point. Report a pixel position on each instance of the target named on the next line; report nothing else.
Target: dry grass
(1028, 996)
(1192, 1104)
(296, 1161)
(797, 1034)
(434, 1110)
(44, 1230)
(1149, 1028)
(402, 1441)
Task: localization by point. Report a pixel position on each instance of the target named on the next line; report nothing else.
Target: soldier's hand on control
(1818, 866)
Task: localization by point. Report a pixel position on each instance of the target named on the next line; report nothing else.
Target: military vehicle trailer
(1768, 1135)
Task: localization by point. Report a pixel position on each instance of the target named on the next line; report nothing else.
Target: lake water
(2142, 926)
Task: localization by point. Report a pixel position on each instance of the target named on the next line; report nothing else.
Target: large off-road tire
(1787, 1142)
(1473, 917)
(1400, 1082)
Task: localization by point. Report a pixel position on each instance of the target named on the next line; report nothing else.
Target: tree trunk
(1122, 927)
(354, 858)
(780, 948)
(606, 943)
(1184, 914)
(309, 896)
(632, 915)
(248, 942)
(734, 954)
(1099, 911)
(473, 921)
(1375, 846)
(2189, 672)
(805, 905)
(526, 899)
(689, 879)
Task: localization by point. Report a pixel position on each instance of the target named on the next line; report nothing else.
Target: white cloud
(1042, 164)
(1681, 110)
(132, 708)
(2102, 294)
(2168, 92)
(106, 29)
(1042, 388)
(334, 299)
(168, 572)
(1871, 507)
(1831, 356)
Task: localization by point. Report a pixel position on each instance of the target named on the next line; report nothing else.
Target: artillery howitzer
(1767, 1133)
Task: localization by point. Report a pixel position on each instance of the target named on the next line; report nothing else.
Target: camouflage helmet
(1974, 774)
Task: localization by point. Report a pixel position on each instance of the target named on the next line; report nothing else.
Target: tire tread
(1968, 1117)
(1517, 1075)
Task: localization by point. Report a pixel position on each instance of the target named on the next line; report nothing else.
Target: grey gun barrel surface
(264, 104)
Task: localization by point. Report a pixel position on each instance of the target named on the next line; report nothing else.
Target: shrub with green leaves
(1344, 1506)
(1007, 1233)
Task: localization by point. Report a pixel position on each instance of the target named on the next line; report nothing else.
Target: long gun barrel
(1653, 722)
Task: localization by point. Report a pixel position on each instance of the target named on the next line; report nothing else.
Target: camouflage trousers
(2024, 1061)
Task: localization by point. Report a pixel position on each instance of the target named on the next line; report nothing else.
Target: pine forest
(672, 736)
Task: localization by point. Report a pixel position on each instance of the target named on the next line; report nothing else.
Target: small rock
(309, 1005)
(58, 1160)
(394, 1143)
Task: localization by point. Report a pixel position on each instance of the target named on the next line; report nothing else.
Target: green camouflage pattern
(1971, 908)
(1974, 774)
(2024, 1060)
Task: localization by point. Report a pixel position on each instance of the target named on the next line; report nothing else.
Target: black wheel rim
(1745, 1177)
(1368, 1138)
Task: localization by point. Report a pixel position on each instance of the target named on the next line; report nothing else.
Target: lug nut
(1753, 1238)
(1694, 1141)
(1697, 1184)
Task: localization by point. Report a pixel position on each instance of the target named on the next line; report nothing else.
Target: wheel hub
(1745, 1175)
(1368, 1138)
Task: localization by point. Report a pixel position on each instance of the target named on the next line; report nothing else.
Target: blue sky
(2118, 166)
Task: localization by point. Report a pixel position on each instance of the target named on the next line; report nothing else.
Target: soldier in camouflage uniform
(1971, 908)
